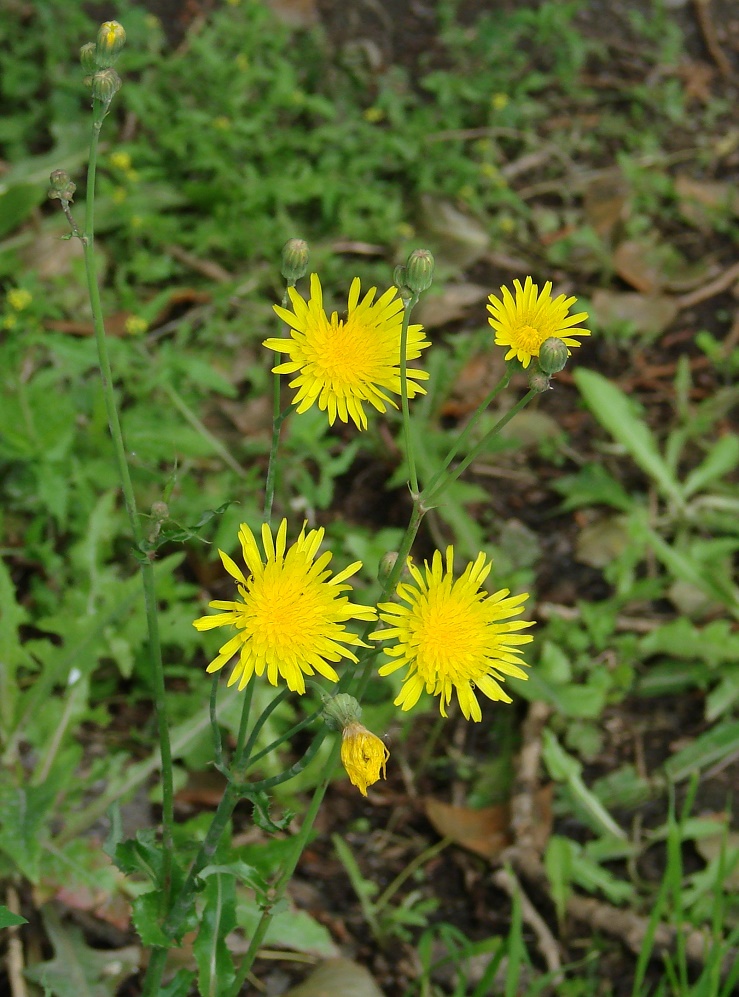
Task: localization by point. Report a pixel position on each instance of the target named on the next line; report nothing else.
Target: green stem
(277, 419)
(298, 844)
(147, 569)
(471, 424)
(409, 305)
(428, 495)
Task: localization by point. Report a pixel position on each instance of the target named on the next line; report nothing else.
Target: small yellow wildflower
(522, 324)
(19, 298)
(499, 101)
(222, 123)
(343, 363)
(136, 325)
(452, 636)
(120, 160)
(10, 322)
(363, 755)
(242, 62)
(290, 614)
(373, 115)
(119, 195)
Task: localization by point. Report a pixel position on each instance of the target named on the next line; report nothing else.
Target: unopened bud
(538, 380)
(111, 39)
(419, 270)
(105, 85)
(159, 510)
(87, 58)
(400, 277)
(62, 188)
(340, 711)
(294, 259)
(553, 355)
(387, 563)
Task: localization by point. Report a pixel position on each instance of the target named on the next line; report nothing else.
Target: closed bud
(105, 85)
(340, 711)
(87, 58)
(419, 270)
(62, 188)
(538, 380)
(400, 277)
(111, 39)
(159, 510)
(294, 259)
(553, 355)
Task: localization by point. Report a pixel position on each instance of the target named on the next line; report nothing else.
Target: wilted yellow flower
(363, 755)
(343, 363)
(452, 636)
(290, 614)
(522, 324)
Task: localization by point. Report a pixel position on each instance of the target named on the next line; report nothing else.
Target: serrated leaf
(24, 810)
(76, 969)
(218, 919)
(147, 918)
(262, 817)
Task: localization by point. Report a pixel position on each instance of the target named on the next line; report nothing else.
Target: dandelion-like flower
(453, 636)
(343, 363)
(363, 755)
(290, 614)
(523, 323)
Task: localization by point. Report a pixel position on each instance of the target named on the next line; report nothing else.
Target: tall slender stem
(412, 476)
(147, 568)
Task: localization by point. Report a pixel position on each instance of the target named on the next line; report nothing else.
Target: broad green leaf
(615, 412)
(217, 920)
(12, 653)
(179, 986)
(24, 811)
(147, 920)
(558, 865)
(8, 919)
(291, 929)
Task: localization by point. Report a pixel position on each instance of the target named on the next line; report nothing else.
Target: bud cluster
(62, 187)
(417, 274)
(97, 60)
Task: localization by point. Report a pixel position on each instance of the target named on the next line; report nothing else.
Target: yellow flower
(120, 160)
(19, 298)
(135, 325)
(290, 614)
(524, 323)
(343, 363)
(452, 636)
(373, 114)
(363, 755)
(499, 101)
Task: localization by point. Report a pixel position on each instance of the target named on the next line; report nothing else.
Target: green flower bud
(105, 85)
(387, 563)
(420, 270)
(294, 259)
(87, 58)
(340, 711)
(111, 39)
(538, 380)
(400, 277)
(62, 188)
(553, 355)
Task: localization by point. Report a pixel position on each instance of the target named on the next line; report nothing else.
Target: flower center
(527, 338)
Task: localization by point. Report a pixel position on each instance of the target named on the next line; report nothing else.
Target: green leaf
(720, 460)
(262, 816)
(76, 969)
(616, 413)
(147, 920)
(218, 919)
(179, 986)
(8, 919)
(24, 811)
(714, 746)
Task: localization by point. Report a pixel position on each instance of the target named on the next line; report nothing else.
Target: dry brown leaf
(455, 237)
(698, 198)
(337, 978)
(484, 832)
(650, 314)
(453, 304)
(605, 200)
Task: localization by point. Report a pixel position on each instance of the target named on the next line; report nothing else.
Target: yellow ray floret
(290, 614)
(523, 323)
(363, 755)
(341, 364)
(451, 636)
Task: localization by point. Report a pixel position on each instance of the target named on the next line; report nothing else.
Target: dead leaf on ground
(699, 200)
(652, 266)
(484, 832)
(600, 542)
(454, 303)
(456, 238)
(605, 200)
(646, 314)
(337, 978)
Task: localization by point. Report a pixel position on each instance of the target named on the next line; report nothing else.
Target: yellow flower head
(363, 755)
(290, 614)
(19, 298)
(522, 324)
(452, 636)
(343, 363)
